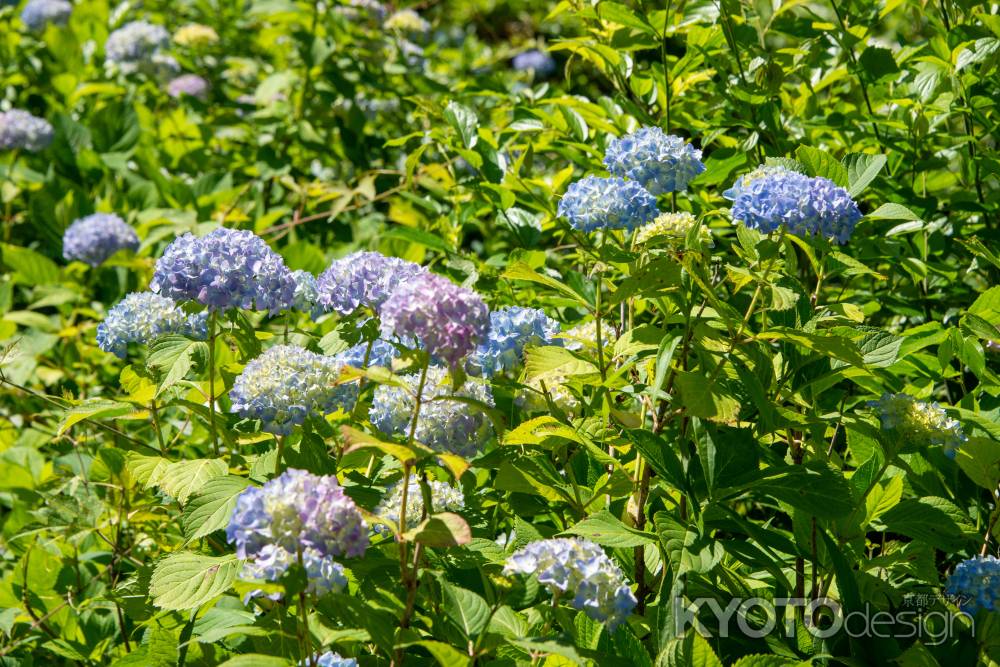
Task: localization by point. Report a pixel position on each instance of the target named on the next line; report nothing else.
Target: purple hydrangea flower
(226, 268)
(323, 573)
(331, 659)
(607, 203)
(39, 13)
(95, 238)
(446, 320)
(976, 584)
(581, 569)
(19, 129)
(142, 317)
(512, 329)
(536, 61)
(773, 197)
(444, 425)
(286, 384)
(135, 44)
(363, 280)
(188, 84)
(660, 162)
(298, 510)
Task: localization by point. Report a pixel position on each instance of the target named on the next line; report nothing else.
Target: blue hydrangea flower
(912, 423)
(188, 84)
(443, 425)
(226, 268)
(137, 45)
(323, 573)
(660, 162)
(511, 330)
(298, 510)
(20, 130)
(773, 197)
(581, 569)
(363, 280)
(444, 498)
(331, 659)
(95, 238)
(142, 317)
(446, 320)
(976, 584)
(305, 299)
(381, 354)
(285, 384)
(536, 61)
(607, 203)
(39, 13)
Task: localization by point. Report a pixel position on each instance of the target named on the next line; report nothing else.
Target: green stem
(154, 411)
(304, 636)
(211, 382)
(280, 455)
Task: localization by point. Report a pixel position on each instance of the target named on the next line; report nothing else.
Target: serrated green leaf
(187, 580)
(210, 508)
(607, 530)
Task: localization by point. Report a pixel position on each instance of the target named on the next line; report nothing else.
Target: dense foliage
(499, 332)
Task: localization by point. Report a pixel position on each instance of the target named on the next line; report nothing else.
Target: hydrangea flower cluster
(773, 197)
(585, 335)
(551, 383)
(226, 268)
(443, 498)
(446, 320)
(95, 238)
(658, 161)
(39, 13)
(976, 584)
(536, 61)
(582, 569)
(916, 423)
(195, 35)
(188, 84)
(323, 573)
(512, 329)
(381, 354)
(297, 510)
(285, 384)
(407, 20)
(142, 317)
(672, 226)
(607, 203)
(305, 298)
(443, 425)
(363, 280)
(137, 45)
(19, 129)
(331, 659)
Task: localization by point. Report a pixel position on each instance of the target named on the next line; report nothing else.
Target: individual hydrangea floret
(323, 573)
(298, 510)
(594, 203)
(975, 584)
(21, 130)
(772, 197)
(913, 423)
(407, 20)
(445, 425)
(584, 336)
(446, 320)
(581, 571)
(188, 84)
(226, 268)
(443, 498)
(673, 227)
(660, 162)
(512, 329)
(363, 280)
(331, 659)
(536, 61)
(286, 384)
(135, 45)
(39, 13)
(195, 35)
(95, 238)
(143, 317)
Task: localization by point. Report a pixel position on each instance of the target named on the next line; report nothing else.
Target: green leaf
(182, 478)
(521, 271)
(464, 121)
(35, 268)
(935, 521)
(979, 458)
(607, 530)
(893, 211)
(176, 355)
(467, 610)
(813, 488)
(187, 580)
(622, 15)
(821, 163)
(418, 236)
(210, 508)
(830, 345)
(256, 660)
(705, 399)
(92, 408)
(445, 529)
(862, 169)
(446, 656)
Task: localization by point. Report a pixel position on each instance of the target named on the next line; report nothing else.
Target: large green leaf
(187, 580)
(604, 529)
(467, 610)
(210, 508)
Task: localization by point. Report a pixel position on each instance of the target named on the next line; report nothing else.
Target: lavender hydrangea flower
(323, 573)
(912, 423)
(135, 45)
(298, 510)
(305, 299)
(773, 197)
(443, 425)
(512, 329)
(660, 162)
(21, 130)
(39, 13)
(286, 384)
(363, 280)
(142, 317)
(536, 61)
(331, 659)
(226, 268)
(380, 354)
(188, 84)
(443, 498)
(976, 584)
(446, 320)
(607, 203)
(95, 238)
(581, 569)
